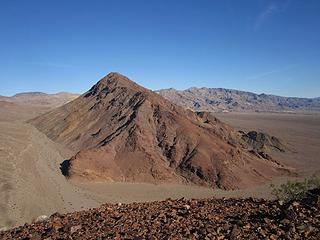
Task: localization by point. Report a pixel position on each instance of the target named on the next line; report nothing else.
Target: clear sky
(270, 46)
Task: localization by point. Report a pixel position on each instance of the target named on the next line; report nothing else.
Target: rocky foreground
(182, 219)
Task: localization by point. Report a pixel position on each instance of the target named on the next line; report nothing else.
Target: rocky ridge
(222, 100)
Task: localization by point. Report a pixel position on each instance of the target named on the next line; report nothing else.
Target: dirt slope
(124, 132)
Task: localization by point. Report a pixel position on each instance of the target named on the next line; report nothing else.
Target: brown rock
(235, 233)
(273, 237)
(146, 221)
(76, 228)
(124, 131)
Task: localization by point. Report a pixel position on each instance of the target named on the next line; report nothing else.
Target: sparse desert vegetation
(297, 190)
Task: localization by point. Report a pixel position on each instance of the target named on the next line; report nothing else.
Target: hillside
(181, 219)
(124, 132)
(220, 99)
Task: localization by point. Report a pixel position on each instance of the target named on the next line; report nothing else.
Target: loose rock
(181, 219)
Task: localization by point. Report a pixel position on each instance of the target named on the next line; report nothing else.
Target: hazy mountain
(39, 98)
(124, 132)
(219, 99)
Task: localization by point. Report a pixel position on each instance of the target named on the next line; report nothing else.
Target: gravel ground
(182, 219)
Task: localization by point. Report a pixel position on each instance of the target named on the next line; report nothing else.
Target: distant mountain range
(197, 99)
(220, 99)
(39, 98)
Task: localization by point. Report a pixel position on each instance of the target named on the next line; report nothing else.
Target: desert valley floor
(31, 183)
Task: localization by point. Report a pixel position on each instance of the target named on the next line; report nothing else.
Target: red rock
(74, 229)
(234, 219)
(121, 130)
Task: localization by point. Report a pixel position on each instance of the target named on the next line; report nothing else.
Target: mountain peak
(112, 81)
(118, 79)
(125, 132)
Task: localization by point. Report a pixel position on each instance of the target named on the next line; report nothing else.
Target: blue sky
(270, 46)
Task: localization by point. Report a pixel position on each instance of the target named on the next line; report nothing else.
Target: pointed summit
(111, 81)
(124, 132)
(117, 78)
